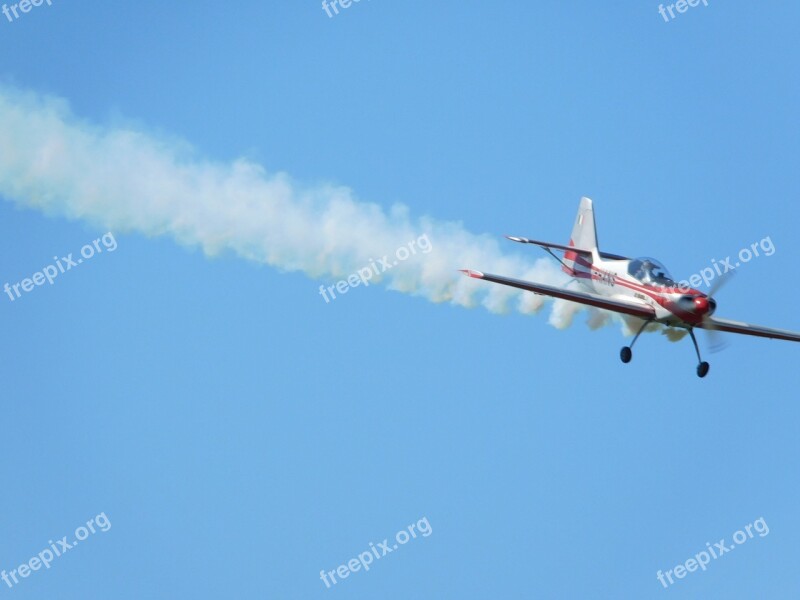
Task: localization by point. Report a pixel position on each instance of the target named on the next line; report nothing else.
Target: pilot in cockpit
(645, 272)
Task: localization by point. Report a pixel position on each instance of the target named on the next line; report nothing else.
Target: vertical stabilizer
(584, 236)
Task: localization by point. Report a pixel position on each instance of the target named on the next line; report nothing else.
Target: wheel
(626, 354)
(702, 369)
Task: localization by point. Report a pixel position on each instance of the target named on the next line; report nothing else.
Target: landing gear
(703, 367)
(626, 354)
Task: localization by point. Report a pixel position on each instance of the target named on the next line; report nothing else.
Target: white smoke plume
(125, 179)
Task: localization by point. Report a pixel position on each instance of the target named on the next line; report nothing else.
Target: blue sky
(241, 434)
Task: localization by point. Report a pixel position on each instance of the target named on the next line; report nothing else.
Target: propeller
(716, 342)
(721, 281)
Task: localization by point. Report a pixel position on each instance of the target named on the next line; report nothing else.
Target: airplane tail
(584, 236)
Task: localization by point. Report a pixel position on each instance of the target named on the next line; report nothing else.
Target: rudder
(584, 236)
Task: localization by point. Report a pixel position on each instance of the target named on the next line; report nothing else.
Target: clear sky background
(241, 434)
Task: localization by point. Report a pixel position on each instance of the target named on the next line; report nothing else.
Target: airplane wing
(621, 306)
(749, 329)
(563, 248)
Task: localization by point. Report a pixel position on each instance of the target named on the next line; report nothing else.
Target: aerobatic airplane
(640, 287)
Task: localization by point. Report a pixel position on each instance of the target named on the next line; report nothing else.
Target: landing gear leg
(702, 367)
(626, 354)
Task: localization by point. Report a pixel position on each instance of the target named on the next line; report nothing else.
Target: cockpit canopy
(649, 270)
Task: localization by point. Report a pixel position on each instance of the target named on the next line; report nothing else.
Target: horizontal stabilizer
(563, 248)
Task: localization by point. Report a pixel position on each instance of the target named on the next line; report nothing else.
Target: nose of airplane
(701, 305)
(704, 305)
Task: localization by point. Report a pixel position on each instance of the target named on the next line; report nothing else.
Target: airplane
(638, 287)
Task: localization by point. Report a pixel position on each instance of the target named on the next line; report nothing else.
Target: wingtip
(471, 273)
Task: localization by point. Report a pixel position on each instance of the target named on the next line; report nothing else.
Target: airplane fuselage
(673, 304)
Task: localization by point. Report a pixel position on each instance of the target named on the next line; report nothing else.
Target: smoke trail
(124, 179)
